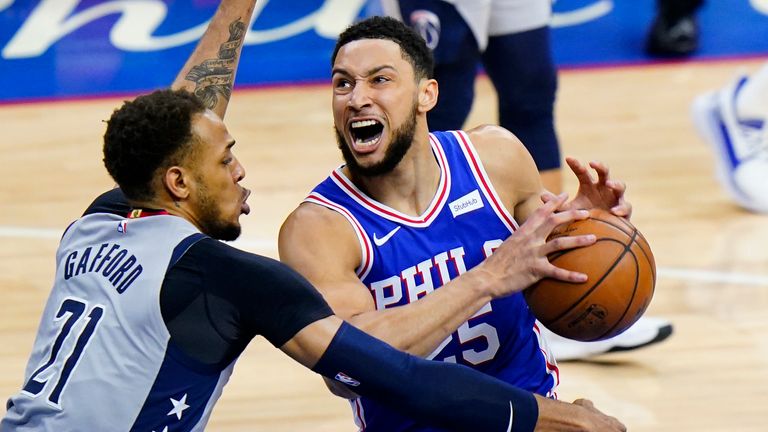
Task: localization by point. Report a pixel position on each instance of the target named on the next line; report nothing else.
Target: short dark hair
(412, 45)
(147, 133)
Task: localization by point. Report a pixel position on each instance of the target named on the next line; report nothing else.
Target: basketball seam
(634, 237)
(630, 234)
(602, 278)
(634, 290)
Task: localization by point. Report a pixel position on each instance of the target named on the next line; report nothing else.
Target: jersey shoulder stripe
(366, 250)
(478, 170)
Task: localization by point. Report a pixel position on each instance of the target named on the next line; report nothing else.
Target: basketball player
(149, 312)
(397, 239)
(511, 39)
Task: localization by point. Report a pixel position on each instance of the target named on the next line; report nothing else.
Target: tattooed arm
(210, 71)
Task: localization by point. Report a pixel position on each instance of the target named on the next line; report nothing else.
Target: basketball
(621, 278)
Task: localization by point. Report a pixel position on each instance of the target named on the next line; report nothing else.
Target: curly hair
(412, 45)
(148, 133)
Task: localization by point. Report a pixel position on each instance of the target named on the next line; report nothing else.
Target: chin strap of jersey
(441, 394)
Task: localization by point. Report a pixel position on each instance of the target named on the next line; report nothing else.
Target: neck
(171, 206)
(412, 185)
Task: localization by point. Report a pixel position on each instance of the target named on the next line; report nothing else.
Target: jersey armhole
(366, 250)
(183, 247)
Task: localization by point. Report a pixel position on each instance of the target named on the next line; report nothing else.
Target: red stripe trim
(485, 183)
(550, 366)
(140, 213)
(359, 413)
(432, 211)
(368, 249)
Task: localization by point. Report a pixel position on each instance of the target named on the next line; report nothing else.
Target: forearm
(420, 327)
(210, 71)
(444, 394)
(439, 393)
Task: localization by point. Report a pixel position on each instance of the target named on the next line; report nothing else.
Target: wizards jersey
(103, 322)
(405, 258)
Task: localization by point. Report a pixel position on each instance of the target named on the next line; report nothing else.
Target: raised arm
(209, 72)
(445, 394)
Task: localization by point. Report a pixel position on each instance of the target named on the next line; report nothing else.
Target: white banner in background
(52, 20)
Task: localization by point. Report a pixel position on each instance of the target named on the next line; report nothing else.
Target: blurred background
(74, 48)
(66, 64)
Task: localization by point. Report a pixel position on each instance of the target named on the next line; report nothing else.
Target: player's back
(101, 357)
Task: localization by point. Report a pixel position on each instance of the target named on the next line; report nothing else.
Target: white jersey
(102, 323)
(491, 17)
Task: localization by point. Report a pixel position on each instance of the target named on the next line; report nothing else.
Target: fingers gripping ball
(621, 279)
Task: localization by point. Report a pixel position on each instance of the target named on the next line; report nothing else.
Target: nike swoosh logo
(380, 241)
(511, 416)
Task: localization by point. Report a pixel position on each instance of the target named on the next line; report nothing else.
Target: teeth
(364, 123)
(370, 142)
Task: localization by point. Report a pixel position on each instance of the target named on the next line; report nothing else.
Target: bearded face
(211, 219)
(402, 138)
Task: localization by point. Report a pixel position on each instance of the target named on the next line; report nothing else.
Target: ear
(177, 182)
(427, 94)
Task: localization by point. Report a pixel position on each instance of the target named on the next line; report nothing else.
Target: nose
(359, 97)
(239, 172)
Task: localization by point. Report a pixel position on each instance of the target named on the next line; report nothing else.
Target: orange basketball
(622, 277)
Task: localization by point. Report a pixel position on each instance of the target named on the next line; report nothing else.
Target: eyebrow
(368, 73)
(231, 144)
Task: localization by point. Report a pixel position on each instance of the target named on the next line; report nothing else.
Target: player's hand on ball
(521, 259)
(604, 193)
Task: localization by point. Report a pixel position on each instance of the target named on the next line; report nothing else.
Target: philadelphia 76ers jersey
(405, 258)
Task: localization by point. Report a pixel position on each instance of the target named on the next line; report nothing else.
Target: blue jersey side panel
(406, 257)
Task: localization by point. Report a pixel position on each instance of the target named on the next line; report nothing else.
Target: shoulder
(497, 144)
(316, 234)
(231, 269)
(508, 163)
(223, 257)
(314, 221)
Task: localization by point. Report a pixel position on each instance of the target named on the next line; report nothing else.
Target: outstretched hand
(597, 420)
(605, 193)
(521, 260)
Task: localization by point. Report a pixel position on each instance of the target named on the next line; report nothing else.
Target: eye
(380, 79)
(342, 83)
(227, 161)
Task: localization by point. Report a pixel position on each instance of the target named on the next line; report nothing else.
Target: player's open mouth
(244, 207)
(365, 134)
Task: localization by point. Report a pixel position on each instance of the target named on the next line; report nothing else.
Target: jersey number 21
(70, 313)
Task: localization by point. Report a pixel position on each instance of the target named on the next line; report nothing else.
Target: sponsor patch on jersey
(467, 203)
(346, 379)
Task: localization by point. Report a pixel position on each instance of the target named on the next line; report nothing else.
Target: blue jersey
(405, 258)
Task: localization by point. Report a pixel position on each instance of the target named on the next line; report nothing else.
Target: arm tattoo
(214, 76)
